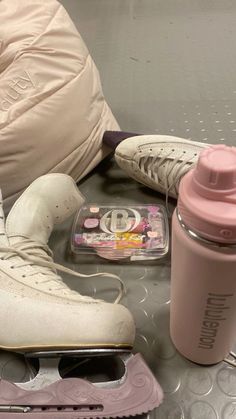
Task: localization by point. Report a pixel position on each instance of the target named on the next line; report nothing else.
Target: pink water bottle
(203, 270)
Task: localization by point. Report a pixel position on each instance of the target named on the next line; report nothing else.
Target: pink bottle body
(203, 271)
(203, 297)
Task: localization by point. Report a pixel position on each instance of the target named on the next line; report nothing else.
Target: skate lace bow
(173, 167)
(36, 254)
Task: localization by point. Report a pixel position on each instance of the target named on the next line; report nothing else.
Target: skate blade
(136, 393)
(78, 353)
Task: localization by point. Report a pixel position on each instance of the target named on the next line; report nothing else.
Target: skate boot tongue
(167, 169)
(49, 200)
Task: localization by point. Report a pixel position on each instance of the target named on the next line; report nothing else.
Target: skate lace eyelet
(23, 276)
(11, 267)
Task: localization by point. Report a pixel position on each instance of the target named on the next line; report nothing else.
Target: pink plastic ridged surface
(75, 398)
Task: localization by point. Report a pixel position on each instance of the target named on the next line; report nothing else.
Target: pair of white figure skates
(42, 317)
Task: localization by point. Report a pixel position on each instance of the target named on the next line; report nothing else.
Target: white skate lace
(32, 253)
(172, 168)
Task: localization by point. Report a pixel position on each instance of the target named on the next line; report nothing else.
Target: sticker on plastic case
(137, 232)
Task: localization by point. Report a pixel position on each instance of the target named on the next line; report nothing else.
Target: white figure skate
(44, 318)
(158, 161)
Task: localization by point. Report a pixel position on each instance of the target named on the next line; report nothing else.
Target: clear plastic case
(136, 232)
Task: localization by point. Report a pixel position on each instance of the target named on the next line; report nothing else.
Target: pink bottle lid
(207, 195)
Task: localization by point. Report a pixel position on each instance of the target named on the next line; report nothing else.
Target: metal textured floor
(167, 67)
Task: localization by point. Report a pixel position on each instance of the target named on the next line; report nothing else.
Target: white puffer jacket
(52, 110)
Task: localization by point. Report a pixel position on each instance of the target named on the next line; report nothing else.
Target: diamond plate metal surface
(166, 67)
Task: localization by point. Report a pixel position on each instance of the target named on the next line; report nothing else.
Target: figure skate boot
(43, 318)
(157, 161)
